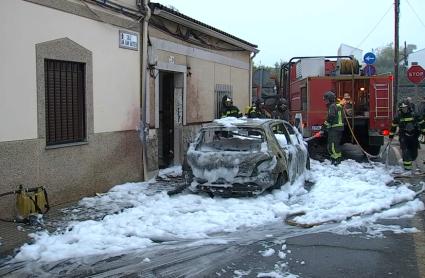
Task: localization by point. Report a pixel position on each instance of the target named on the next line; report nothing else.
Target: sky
(140, 216)
(283, 29)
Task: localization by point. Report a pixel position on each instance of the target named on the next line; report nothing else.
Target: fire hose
(368, 155)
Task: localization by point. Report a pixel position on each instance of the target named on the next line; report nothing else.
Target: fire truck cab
(371, 97)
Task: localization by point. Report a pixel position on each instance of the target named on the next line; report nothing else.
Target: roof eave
(190, 24)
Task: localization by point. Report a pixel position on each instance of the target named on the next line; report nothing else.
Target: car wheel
(281, 180)
(188, 177)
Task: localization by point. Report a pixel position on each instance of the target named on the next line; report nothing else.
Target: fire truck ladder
(382, 101)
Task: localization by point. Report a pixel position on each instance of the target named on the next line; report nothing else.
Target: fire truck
(306, 79)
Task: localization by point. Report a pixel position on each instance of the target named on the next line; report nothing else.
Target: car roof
(240, 122)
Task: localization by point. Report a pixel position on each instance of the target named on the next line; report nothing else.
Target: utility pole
(396, 50)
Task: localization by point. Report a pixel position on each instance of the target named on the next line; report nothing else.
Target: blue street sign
(369, 58)
(369, 70)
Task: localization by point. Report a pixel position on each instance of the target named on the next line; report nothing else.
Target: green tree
(385, 60)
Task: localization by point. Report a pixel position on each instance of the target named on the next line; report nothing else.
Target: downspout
(251, 64)
(143, 83)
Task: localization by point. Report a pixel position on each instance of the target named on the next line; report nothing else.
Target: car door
(287, 147)
(300, 148)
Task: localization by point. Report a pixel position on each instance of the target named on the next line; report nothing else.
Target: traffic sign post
(369, 58)
(416, 74)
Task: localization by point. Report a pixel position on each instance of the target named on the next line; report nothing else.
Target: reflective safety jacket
(409, 124)
(231, 111)
(253, 112)
(335, 119)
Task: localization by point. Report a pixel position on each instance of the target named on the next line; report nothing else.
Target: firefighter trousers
(409, 150)
(334, 145)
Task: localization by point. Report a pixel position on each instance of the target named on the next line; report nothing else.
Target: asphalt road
(309, 253)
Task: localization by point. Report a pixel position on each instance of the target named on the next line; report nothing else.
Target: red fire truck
(306, 79)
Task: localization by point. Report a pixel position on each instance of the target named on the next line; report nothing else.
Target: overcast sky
(286, 28)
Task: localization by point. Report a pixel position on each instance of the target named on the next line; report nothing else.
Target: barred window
(65, 102)
(221, 90)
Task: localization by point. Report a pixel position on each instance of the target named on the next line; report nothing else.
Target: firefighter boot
(336, 161)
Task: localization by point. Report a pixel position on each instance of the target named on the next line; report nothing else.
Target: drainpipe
(143, 82)
(250, 77)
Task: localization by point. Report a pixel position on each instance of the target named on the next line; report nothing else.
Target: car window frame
(289, 127)
(202, 133)
(284, 132)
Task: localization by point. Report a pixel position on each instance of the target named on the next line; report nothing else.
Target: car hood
(226, 164)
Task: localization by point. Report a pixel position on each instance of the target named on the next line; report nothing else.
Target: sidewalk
(14, 235)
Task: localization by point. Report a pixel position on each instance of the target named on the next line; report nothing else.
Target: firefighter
(282, 111)
(409, 125)
(334, 127)
(229, 110)
(347, 105)
(255, 110)
(411, 103)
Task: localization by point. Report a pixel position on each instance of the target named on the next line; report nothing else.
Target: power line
(416, 14)
(373, 29)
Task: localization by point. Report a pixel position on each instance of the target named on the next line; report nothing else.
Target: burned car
(244, 157)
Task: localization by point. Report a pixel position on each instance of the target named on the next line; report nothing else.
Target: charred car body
(244, 157)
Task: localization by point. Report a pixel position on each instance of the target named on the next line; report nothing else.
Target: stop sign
(416, 74)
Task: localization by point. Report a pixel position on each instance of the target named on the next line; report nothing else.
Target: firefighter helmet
(227, 101)
(329, 97)
(403, 104)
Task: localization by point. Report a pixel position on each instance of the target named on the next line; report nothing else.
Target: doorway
(166, 120)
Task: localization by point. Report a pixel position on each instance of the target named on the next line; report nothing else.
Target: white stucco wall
(207, 69)
(116, 71)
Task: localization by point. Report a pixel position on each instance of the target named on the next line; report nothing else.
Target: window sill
(66, 145)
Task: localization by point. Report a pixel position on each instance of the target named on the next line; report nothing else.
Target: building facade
(191, 67)
(72, 100)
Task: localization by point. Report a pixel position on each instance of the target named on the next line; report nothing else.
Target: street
(314, 252)
(388, 243)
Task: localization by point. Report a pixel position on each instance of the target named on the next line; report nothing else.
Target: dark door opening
(166, 120)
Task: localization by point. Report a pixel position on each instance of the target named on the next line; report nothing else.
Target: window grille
(65, 102)
(221, 90)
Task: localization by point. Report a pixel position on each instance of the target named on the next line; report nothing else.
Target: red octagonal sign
(416, 74)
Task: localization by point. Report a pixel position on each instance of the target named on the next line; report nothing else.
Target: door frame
(176, 69)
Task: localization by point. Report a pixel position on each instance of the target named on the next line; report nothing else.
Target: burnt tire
(188, 177)
(281, 180)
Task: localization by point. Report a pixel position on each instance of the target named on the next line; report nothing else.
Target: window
(281, 134)
(221, 90)
(65, 102)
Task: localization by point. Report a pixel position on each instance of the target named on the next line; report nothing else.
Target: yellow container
(30, 202)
